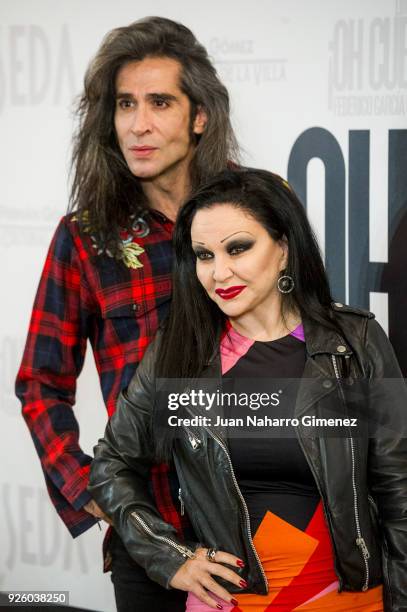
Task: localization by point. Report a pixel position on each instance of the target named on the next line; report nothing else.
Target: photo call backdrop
(318, 91)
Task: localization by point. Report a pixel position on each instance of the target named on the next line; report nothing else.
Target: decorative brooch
(129, 250)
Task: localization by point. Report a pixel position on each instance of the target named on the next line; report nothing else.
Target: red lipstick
(230, 292)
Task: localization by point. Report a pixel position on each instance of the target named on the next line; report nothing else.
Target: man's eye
(203, 255)
(160, 103)
(125, 104)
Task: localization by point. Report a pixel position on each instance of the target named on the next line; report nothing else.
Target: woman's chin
(231, 308)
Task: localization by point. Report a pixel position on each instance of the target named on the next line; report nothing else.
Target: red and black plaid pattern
(81, 296)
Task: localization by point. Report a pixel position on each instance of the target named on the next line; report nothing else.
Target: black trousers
(134, 591)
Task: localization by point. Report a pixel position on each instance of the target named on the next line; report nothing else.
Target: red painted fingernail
(243, 583)
(219, 607)
(240, 563)
(234, 602)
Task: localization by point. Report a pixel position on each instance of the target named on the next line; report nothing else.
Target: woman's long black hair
(191, 334)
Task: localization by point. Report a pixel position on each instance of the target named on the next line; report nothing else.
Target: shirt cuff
(75, 489)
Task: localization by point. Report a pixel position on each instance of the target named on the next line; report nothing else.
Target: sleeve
(46, 382)
(119, 477)
(388, 463)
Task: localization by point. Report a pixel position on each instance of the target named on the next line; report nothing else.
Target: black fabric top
(272, 472)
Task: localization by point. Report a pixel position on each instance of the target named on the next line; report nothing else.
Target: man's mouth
(142, 150)
(230, 292)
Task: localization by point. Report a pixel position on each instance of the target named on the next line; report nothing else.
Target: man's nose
(141, 121)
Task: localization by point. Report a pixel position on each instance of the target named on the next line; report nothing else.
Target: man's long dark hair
(104, 191)
(191, 334)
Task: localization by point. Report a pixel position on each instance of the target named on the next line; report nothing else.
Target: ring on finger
(210, 554)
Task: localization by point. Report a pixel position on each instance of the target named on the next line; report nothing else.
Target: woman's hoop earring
(285, 284)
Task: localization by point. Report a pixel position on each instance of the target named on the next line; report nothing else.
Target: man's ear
(200, 121)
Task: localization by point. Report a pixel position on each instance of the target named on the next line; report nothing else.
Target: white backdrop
(290, 66)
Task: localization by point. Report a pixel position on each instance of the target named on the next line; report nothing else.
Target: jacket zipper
(183, 550)
(181, 501)
(360, 541)
(193, 440)
(242, 500)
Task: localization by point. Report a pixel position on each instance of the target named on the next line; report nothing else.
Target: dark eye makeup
(203, 254)
(234, 247)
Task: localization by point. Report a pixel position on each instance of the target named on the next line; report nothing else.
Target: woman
(308, 520)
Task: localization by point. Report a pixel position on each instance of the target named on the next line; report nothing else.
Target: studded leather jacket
(362, 479)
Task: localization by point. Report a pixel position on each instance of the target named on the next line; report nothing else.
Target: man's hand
(195, 575)
(94, 510)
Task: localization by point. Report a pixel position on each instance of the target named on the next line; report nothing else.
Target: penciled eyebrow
(239, 232)
(124, 95)
(234, 234)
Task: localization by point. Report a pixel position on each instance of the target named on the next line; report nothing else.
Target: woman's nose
(221, 270)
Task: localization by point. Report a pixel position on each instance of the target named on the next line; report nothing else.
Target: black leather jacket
(362, 480)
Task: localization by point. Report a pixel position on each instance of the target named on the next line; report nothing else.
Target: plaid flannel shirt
(81, 296)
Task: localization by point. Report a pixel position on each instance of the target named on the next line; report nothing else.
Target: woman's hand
(195, 575)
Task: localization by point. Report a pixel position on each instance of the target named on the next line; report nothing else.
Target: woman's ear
(283, 242)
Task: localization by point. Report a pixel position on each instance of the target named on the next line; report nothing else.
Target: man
(154, 123)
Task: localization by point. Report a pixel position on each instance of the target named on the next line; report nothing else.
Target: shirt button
(327, 384)
(341, 348)
(338, 304)
(136, 307)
